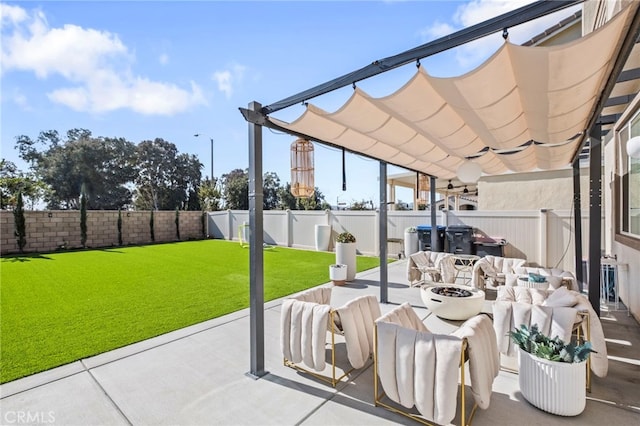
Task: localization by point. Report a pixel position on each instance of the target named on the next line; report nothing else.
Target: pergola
(526, 108)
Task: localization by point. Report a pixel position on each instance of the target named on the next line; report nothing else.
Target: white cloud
(97, 63)
(11, 15)
(437, 30)
(106, 92)
(20, 100)
(164, 59)
(229, 78)
(476, 11)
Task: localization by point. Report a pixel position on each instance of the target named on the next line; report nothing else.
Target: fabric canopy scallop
(521, 110)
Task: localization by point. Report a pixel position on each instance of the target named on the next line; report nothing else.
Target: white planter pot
(555, 387)
(410, 243)
(346, 255)
(524, 282)
(323, 236)
(338, 274)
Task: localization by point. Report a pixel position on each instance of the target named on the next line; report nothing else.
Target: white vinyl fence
(543, 238)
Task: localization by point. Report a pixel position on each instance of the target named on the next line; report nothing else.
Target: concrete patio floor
(196, 376)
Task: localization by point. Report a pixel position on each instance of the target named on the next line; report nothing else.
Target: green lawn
(58, 308)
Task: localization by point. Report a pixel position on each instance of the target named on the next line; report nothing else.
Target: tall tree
(20, 223)
(119, 227)
(13, 181)
(209, 195)
(362, 205)
(270, 186)
(315, 202)
(103, 165)
(288, 201)
(235, 190)
(83, 217)
(166, 179)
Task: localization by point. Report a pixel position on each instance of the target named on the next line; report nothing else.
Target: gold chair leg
(333, 380)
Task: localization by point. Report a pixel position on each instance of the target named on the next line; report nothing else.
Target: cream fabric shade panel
(521, 110)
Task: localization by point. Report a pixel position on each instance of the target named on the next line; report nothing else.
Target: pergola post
(256, 255)
(432, 202)
(595, 214)
(577, 223)
(384, 276)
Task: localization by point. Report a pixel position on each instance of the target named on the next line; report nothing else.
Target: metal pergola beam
(595, 215)
(256, 255)
(508, 20)
(620, 100)
(382, 223)
(628, 75)
(625, 50)
(605, 120)
(577, 224)
(434, 225)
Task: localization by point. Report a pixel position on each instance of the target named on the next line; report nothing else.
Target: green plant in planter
(542, 346)
(345, 237)
(411, 229)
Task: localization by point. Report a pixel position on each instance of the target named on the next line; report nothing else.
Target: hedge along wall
(50, 230)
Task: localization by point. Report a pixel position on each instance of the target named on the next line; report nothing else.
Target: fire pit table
(452, 301)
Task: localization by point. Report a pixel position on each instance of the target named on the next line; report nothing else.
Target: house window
(630, 183)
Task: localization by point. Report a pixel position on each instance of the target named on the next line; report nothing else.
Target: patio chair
(554, 276)
(521, 305)
(495, 269)
(417, 368)
(437, 266)
(307, 317)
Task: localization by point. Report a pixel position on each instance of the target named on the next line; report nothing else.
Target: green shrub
(119, 227)
(345, 237)
(21, 228)
(151, 228)
(542, 346)
(83, 217)
(177, 224)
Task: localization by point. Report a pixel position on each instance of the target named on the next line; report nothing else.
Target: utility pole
(211, 139)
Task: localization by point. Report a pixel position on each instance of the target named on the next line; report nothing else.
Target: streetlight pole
(211, 139)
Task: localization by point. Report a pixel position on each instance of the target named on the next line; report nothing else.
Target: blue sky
(148, 69)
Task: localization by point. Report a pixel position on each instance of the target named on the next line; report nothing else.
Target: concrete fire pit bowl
(452, 301)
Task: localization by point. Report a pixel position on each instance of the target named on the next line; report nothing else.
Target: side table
(463, 265)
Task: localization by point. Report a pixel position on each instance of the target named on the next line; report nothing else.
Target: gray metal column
(434, 227)
(384, 274)
(595, 215)
(256, 255)
(577, 223)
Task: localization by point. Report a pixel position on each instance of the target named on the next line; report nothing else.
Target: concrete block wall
(51, 230)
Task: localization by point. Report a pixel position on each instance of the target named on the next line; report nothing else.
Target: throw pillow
(561, 297)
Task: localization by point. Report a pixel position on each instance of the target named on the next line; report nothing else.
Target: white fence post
(288, 230)
(543, 237)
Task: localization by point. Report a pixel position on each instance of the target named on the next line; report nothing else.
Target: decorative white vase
(346, 255)
(323, 236)
(410, 243)
(555, 387)
(338, 274)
